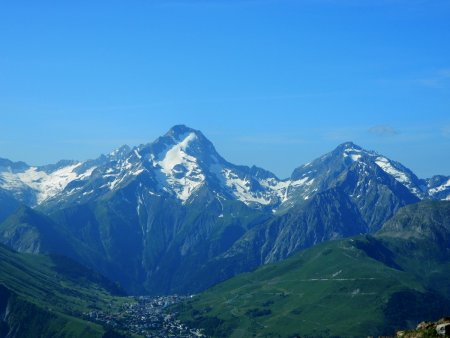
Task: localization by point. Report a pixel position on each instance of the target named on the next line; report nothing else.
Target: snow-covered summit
(183, 162)
(324, 173)
(188, 161)
(395, 169)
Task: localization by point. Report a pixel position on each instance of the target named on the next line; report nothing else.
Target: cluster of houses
(146, 316)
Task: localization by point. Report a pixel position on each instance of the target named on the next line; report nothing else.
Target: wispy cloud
(383, 130)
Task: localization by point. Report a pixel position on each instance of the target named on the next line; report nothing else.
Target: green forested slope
(352, 288)
(41, 296)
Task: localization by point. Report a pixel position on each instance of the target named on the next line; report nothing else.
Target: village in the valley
(146, 316)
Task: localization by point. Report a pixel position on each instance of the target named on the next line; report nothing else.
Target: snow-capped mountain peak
(34, 185)
(179, 132)
(399, 172)
(181, 162)
(348, 146)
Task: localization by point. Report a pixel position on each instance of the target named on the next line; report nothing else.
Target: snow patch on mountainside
(279, 188)
(10, 181)
(241, 188)
(45, 184)
(182, 173)
(441, 191)
(440, 188)
(355, 157)
(293, 190)
(399, 175)
(301, 182)
(177, 155)
(121, 172)
(353, 153)
(117, 181)
(388, 168)
(247, 189)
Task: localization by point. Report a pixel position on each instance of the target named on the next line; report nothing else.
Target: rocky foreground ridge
(440, 328)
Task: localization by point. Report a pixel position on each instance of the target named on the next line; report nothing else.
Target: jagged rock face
(425, 221)
(176, 165)
(180, 162)
(362, 168)
(440, 328)
(154, 215)
(439, 187)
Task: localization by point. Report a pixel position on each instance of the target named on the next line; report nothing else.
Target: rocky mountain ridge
(174, 216)
(180, 162)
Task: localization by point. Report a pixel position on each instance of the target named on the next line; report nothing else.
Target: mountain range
(183, 161)
(174, 216)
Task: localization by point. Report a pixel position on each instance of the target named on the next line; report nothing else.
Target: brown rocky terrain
(440, 328)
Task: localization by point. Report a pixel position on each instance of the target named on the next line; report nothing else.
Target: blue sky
(271, 83)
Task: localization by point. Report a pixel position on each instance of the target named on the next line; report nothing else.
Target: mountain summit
(183, 161)
(174, 216)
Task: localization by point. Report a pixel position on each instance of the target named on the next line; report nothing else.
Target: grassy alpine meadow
(334, 289)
